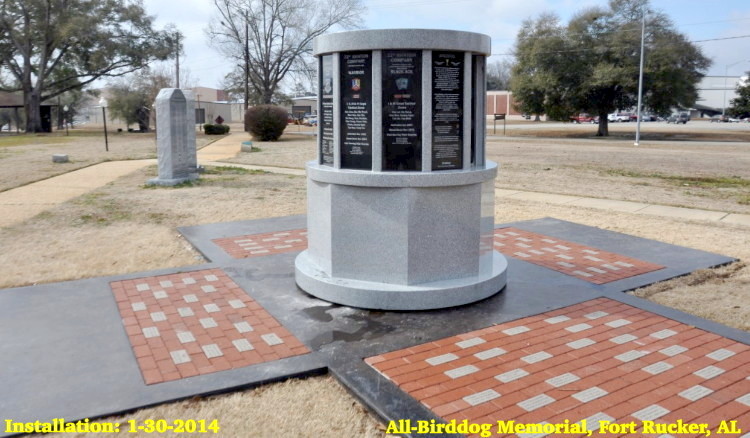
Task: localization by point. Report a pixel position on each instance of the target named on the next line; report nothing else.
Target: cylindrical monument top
(393, 39)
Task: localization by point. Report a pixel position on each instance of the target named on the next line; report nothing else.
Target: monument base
(172, 181)
(388, 296)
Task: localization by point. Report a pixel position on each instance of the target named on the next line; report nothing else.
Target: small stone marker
(60, 158)
(247, 146)
(175, 137)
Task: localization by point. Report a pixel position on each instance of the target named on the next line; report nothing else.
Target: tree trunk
(537, 118)
(603, 125)
(267, 96)
(31, 104)
(143, 115)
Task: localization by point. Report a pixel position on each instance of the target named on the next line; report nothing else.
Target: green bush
(265, 122)
(215, 129)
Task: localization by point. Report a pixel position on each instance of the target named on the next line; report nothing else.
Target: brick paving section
(199, 322)
(255, 245)
(580, 261)
(596, 360)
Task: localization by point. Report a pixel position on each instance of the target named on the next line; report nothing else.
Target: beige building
(209, 94)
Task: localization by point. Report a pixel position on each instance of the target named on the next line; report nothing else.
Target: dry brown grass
(709, 176)
(292, 150)
(28, 158)
(314, 407)
(127, 227)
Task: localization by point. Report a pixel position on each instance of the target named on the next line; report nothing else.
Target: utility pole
(177, 69)
(640, 78)
(247, 60)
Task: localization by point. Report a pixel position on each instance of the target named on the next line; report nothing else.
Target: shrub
(265, 122)
(215, 129)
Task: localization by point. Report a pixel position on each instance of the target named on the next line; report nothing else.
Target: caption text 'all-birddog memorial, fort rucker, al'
(401, 198)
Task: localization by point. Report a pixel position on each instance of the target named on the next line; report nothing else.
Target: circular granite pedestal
(400, 240)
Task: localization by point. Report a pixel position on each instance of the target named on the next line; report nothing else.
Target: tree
(234, 85)
(498, 75)
(592, 64)
(539, 52)
(740, 106)
(52, 46)
(132, 96)
(270, 37)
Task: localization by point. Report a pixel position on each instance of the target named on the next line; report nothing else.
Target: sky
(500, 19)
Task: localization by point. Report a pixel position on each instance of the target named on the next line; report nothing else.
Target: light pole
(103, 104)
(726, 73)
(65, 118)
(202, 120)
(640, 79)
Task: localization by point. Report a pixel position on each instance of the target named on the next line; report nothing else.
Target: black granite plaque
(447, 110)
(402, 110)
(356, 110)
(325, 124)
(478, 91)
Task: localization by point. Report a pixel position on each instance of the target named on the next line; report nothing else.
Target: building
(500, 102)
(207, 94)
(715, 94)
(14, 102)
(303, 105)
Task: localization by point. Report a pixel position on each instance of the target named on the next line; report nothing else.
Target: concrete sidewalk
(24, 202)
(627, 206)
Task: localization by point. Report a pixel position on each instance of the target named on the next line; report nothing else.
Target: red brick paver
(598, 360)
(256, 245)
(580, 261)
(200, 322)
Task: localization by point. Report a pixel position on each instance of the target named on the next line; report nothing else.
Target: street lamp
(103, 104)
(726, 73)
(202, 119)
(65, 118)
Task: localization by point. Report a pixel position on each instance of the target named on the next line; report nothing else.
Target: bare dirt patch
(28, 158)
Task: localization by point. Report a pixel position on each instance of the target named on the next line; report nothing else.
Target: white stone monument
(175, 137)
(401, 200)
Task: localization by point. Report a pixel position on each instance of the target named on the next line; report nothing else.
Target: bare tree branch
(280, 34)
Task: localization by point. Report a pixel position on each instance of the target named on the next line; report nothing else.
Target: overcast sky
(500, 19)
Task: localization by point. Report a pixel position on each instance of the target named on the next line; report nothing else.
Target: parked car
(583, 118)
(644, 117)
(619, 117)
(679, 118)
(734, 120)
(721, 118)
